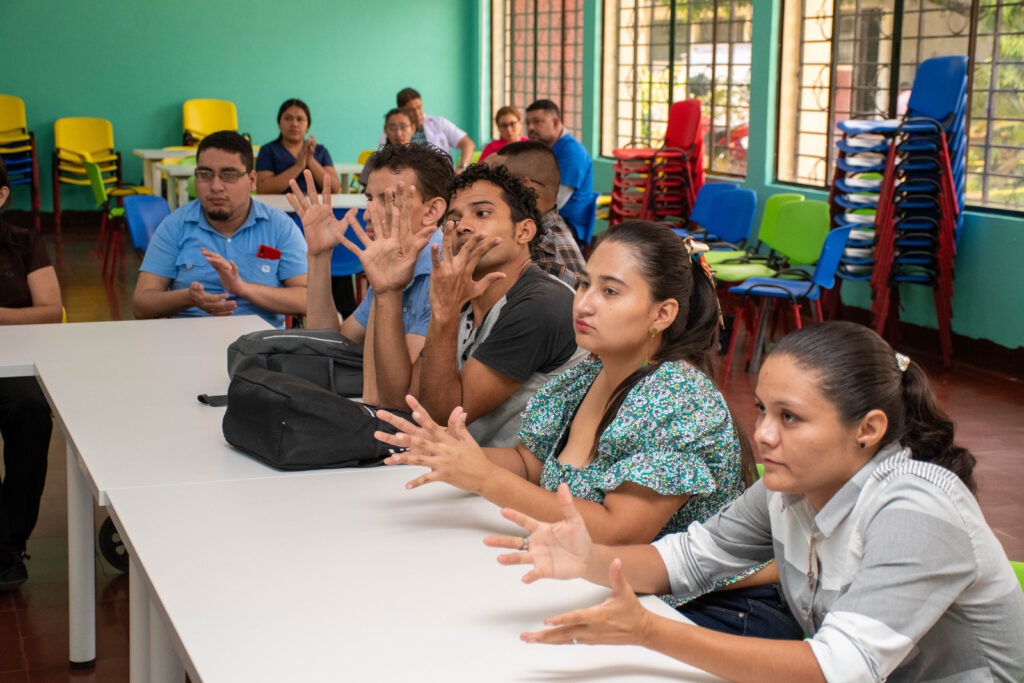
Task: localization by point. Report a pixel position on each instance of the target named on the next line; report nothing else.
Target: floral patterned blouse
(673, 434)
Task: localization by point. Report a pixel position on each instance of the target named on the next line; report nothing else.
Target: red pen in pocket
(268, 253)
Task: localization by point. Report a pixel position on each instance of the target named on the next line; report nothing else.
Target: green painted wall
(134, 63)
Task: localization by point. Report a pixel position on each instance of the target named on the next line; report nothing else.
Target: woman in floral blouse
(639, 432)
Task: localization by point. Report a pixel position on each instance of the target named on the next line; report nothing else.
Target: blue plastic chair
(783, 287)
(343, 261)
(142, 214)
(704, 208)
(733, 218)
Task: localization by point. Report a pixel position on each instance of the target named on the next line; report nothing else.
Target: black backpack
(323, 357)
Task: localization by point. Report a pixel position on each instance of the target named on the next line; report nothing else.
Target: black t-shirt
(533, 331)
(21, 252)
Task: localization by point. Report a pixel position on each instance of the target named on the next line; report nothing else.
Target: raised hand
(452, 454)
(619, 620)
(558, 550)
(322, 230)
(214, 304)
(451, 281)
(227, 271)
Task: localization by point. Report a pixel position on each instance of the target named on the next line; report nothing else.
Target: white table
(338, 201)
(150, 156)
(177, 182)
(345, 575)
(345, 173)
(124, 394)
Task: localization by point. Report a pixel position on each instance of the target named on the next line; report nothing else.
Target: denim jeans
(759, 611)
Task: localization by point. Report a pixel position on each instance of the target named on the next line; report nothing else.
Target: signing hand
(227, 271)
(558, 550)
(392, 248)
(308, 148)
(451, 281)
(322, 230)
(214, 304)
(619, 620)
(451, 454)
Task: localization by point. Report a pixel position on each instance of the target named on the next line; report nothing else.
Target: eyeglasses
(509, 124)
(227, 175)
(398, 126)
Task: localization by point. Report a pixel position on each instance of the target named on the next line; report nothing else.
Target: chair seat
(713, 256)
(777, 287)
(868, 127)
(740, 272)
(129, 191)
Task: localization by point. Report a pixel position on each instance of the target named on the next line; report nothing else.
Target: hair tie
(696, 250)
(902, 361)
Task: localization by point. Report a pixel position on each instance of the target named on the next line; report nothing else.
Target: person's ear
(872, 429)
(5, 192)
(525, 231)
(252, 181)
(665, 314)
(436, 209)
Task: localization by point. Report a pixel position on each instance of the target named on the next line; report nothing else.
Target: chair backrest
(1018, 569)
(99, 188)
(83, 134)
(683, 124)
(364, 155)
(12, 114)
(770, 217)
(733, 217)
(828, 261)
(938, 86)
(202, 117)
(703, 208)
(142, 213)
(343, 261)
(800, 230)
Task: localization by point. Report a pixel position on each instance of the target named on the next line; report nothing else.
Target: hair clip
(902, 361)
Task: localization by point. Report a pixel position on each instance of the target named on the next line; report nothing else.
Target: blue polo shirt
(275, 157)
(577, 169)
(174, 252)
(415, 297)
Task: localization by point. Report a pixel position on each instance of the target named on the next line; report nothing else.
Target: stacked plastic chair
(201, 117)
(899, 185)
(81, 138)
(18, 149)
(661, 184)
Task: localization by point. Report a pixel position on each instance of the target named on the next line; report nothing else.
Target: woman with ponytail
(639, 432)
(867, 506)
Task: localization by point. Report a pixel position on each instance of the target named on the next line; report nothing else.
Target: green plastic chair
(1018, 569)
(112, 218)
(765, 232)
(797, 238)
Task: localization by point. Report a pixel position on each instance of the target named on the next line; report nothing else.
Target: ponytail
(928, 431)
(670, 273)
(860, 372)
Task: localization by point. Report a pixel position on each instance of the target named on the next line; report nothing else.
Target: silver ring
(526, 544)
(575, 641)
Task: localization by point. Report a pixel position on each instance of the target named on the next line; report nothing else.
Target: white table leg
(172, 192)
(138, 610)
(346, 182)
(148, 179)
(164, 666)
(81, 567)
(182, 191)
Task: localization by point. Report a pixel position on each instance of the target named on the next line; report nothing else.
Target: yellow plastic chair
(18, 149)
(77, 136)
(202, 117)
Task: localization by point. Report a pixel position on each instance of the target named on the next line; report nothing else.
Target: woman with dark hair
(510, 129)
(285, 158)
(398, 127)
(639, 431)
(867, 506)
(29, 293)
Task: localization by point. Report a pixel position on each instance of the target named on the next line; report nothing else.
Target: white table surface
(338, 201)
(345, 575)
(150, 156)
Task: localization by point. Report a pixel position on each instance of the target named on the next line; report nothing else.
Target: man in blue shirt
(223, 253)
(576, 198)
(395, 260)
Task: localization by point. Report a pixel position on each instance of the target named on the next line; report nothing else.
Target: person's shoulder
(688, 384)
(534, 283)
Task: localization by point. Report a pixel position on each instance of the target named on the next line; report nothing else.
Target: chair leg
(116, 240)
(56, 194)
(757, 349)
(796, 315)
(817, 310)
(737, 327)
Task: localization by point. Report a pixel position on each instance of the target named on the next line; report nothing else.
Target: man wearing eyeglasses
(224, 253)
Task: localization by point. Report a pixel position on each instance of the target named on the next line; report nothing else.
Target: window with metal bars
(538, 54)
(857, 59)
(661, 51)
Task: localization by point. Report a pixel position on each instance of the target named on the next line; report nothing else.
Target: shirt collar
(842, 503)
(257, 212)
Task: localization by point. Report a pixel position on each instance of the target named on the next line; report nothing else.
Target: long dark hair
(288, 104)
(670, 273)
(860, 372)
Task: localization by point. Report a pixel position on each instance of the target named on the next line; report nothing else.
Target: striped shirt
(898, 576)
(557, 252)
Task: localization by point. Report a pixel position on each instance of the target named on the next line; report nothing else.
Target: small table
(338, 201)
(150, 158)
(177, 182)
(345, 172)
